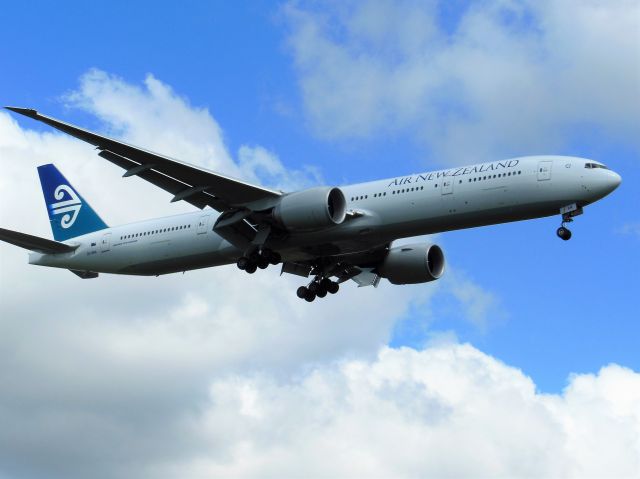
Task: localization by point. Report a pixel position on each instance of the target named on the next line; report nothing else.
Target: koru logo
(69, 208)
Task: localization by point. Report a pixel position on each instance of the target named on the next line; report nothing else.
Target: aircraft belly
(181, 255)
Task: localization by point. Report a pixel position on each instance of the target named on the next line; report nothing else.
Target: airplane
(330, 234)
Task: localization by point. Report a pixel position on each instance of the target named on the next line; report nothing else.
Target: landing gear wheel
(273, 257)
(263, 262)
(321, 293)
(564, 233)
(314, 287)
(333, 287)
(242, 263)
(309, 296)
(302, 292)
(251, 268)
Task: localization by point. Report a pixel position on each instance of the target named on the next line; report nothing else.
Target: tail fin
(70, 215)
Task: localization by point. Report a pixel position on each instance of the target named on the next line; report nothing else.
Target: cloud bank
(216, 373)
(499, 78)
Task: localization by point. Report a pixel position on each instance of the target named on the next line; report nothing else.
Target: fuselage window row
(149, 233)
(499, 175)
(408, 190)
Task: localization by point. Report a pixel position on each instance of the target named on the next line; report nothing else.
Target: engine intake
(413, 263)
(315, 208)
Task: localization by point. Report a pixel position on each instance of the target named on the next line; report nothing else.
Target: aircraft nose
(601, 182)
(606, 182)
(614, 180)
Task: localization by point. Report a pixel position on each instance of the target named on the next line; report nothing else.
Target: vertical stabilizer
(70, 215)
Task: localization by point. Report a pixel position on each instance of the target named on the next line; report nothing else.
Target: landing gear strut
(258, 259)
(318, 288)
(567, 212)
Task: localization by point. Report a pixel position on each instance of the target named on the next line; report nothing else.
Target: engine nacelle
(315, 208)
(413, 263)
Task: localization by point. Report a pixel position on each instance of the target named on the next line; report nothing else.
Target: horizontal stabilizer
(35, 243)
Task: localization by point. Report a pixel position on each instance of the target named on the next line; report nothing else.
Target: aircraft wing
(190, 183)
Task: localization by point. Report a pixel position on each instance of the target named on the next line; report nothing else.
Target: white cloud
(95, 363)
(480, 306)
(446, 411)
(630, 229)
(508, 78)
(190, 375)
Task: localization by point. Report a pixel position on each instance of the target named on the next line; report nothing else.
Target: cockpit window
(595, 165)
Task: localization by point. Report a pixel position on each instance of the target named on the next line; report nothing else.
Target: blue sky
(564, 307)
(330, 86)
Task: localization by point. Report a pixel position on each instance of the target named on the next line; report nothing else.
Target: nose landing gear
(564, 233)
(568, 212)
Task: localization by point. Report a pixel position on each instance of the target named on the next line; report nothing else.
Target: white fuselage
(380, 211)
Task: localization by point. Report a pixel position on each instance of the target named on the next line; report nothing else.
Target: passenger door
(105, 244)
(447, 186)
(203, 224)
(544, 170)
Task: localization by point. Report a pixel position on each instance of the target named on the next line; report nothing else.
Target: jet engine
(413, 263)
(315, 208)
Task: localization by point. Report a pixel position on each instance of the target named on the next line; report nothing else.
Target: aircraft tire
(309, 296)
(301, 292)
(242, 263)
(251, 268)
(333, 287)
(274, 258)
(564, 233)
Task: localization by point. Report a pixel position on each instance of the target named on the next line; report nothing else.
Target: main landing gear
(568, 212)
(258, 259)
(319, 287)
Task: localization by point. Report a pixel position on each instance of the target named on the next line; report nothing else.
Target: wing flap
(35, 243)
(161, 181)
